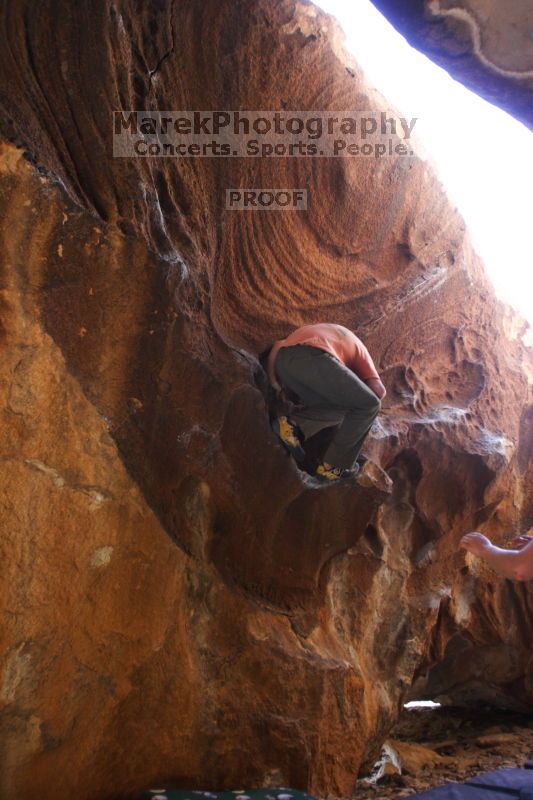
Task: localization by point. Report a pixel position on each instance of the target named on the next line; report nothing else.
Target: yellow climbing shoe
(289, 435)
(331, 474)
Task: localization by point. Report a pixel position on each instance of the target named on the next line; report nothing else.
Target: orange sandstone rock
(179, 604)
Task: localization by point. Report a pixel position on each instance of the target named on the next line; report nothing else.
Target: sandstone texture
(485, 44)
(179, 603)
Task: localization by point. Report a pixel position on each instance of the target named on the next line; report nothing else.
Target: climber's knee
(372, 403)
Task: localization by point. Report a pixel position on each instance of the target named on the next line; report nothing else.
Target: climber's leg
(331, 394)
(296, 370)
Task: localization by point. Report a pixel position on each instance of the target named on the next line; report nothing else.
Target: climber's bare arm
(514, 564)
(377, 387)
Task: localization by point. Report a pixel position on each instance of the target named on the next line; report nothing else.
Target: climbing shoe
(332, 474)
(290, 436)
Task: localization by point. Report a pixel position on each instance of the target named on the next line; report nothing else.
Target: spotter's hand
(475, 543)
(521, 541)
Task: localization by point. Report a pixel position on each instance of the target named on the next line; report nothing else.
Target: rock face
(179, 604)
(486, 45)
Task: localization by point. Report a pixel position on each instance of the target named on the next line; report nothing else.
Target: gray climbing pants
(331, 394)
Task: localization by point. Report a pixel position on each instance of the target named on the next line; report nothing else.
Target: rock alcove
(178, 604)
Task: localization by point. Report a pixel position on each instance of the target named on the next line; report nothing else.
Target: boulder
(181, 605)
(486, 46)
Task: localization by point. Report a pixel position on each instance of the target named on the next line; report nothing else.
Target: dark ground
(470, 741)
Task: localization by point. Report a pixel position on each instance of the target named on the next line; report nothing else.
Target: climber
(333, 375)
(516, 564)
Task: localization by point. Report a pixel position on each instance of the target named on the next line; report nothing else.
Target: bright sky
(484, 156)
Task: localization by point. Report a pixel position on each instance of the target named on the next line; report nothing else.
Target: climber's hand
(377, 387)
